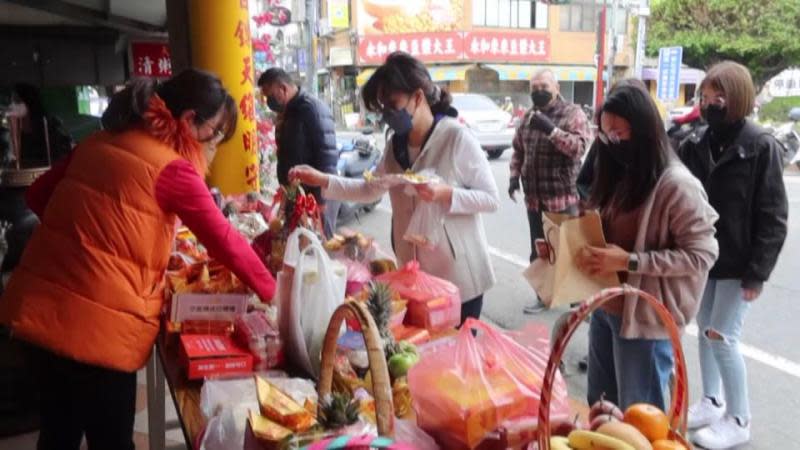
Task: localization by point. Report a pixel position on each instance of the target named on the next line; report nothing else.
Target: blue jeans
(627, 371)
(722, 310)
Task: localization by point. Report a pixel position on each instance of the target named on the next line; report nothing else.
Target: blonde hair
(736, 84)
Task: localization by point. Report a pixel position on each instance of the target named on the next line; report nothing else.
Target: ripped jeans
(722, 310)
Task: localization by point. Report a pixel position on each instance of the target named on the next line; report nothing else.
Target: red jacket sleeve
(38, 194)
(180, 190)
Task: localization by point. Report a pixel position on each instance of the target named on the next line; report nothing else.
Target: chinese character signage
(379, 17)
(669, 73)
(490, 46)
(150, 60)
(425, 46)
(507, 47)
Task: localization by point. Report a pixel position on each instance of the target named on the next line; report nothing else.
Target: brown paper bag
(557, 280)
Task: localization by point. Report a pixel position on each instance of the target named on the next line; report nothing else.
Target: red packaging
(255, 331)
(416, 336)
(433, 303)
(211, 355)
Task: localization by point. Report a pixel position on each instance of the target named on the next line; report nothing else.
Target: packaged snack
(485, 381)
(282, 409)
(270, 434)
(433, 303)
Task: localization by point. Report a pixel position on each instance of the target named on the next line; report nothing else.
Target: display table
(164, 366)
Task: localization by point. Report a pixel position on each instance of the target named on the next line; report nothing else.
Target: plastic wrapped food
(433, 303)
(485, 381)
(259, 334)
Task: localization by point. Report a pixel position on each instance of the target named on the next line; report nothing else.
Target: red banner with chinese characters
(150, 60)
(499, 46)
(427, 47)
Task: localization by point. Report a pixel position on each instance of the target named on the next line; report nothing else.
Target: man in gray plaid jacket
(548, 148)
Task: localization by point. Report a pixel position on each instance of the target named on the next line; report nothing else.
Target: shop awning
(438, 73)
(525, 72)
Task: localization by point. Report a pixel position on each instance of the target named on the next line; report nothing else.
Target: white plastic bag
(317, 289)
(426, 226)
(225, 403)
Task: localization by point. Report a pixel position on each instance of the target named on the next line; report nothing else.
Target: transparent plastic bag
(433, 303)
(485, 381)
(426, 226)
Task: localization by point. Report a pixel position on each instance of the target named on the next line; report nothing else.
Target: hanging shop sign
(150, 59)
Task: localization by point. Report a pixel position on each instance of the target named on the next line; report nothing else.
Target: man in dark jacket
(305, 134)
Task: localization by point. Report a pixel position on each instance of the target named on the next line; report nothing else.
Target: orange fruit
(666, 444)
(648, 419)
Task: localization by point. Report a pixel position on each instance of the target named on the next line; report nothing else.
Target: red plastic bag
(484, 382)
(433, 303)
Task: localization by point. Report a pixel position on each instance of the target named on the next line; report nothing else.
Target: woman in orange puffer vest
(88, 291)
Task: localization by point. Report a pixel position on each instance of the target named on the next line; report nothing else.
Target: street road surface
(770, 339)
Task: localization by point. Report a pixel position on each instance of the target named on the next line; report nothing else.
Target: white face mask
(17, 110)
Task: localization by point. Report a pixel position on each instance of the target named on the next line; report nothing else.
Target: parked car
(493, 127)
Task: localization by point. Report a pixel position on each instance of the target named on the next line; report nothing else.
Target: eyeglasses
(216, 134)
(717, 100)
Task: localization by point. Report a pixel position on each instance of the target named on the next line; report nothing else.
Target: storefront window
(584, 15)
(509, 14)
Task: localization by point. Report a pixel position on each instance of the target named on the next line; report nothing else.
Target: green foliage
(778, 109)
(763, 35)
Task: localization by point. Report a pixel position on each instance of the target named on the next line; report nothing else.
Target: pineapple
(338, 410)
(379, 303)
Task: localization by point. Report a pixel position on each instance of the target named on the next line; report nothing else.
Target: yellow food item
(559, 443)
(627, 433)
(266, 430)
(588, 440)
(282, 409)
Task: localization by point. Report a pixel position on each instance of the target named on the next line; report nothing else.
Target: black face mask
(273, 104)
(622, 152)
(714, 115)
(399, 120)
(541, 98)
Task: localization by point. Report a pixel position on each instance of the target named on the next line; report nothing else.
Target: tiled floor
(174, 438)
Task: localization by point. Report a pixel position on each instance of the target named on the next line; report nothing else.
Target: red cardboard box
(206, 355)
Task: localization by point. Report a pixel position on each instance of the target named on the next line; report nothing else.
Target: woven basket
(680, 395)
(381, 382)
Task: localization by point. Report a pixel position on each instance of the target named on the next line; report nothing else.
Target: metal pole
(601, 55)
(613, 36)
(311, 43)
(641, 38)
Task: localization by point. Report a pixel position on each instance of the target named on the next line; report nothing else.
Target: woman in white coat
(427, 137)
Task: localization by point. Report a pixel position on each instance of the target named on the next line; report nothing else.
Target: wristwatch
(633, 263)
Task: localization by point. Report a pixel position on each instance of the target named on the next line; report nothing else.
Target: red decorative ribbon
(304, 205)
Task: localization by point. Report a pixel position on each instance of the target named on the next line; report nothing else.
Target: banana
(559, 443)
(587, 440)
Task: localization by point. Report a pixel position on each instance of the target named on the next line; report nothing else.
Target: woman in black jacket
(740, 165)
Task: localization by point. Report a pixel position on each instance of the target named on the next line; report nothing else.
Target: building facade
(491, 47)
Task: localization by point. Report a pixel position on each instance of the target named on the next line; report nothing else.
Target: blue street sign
(669, 72)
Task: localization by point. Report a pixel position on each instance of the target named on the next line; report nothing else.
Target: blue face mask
(399, 120)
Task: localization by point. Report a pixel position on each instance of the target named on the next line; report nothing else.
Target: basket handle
(680, 394)
(381, 384)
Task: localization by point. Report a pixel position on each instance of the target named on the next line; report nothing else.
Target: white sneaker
(723, 434)
(705, 413)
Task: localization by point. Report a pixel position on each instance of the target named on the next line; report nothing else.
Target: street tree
(763, 35)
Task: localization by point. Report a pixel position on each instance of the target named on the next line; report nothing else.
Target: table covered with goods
(355, 352)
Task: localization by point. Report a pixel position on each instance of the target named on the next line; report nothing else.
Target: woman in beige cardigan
(660, 230)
